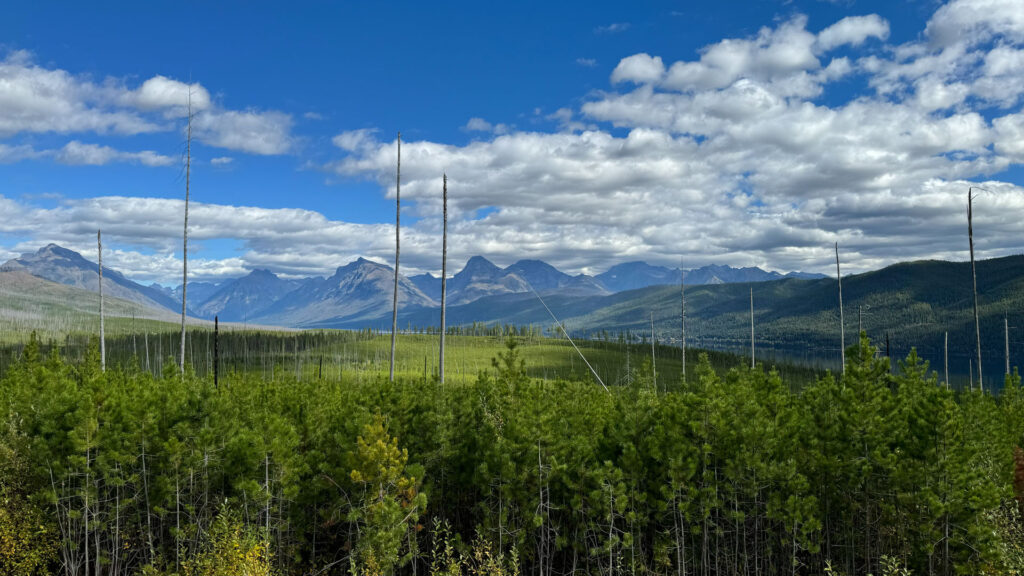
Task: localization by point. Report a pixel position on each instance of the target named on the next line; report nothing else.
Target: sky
(584, 134)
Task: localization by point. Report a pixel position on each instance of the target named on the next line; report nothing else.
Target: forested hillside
(913, 303)
(126, 473)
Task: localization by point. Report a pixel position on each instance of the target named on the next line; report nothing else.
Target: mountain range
(919, 304)
(361, 291)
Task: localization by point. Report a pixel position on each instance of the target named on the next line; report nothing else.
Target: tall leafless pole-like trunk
(654, 366)
(751, 326)
(945, 358)
(184, 245)
(1006, 339)
(216, 350)
(682, 314)
(974, 277)
(398, 216)
(842, 324)
(103, 340)
(444, 267)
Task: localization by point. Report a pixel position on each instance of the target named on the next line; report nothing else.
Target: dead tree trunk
(216, 350)
(444, 268)
(682, 315)
(654, 366)
(398, 215)
(751, 326)
(974, 278)
(184, 246)
(103, 340)
(945, 357)
(842, 325)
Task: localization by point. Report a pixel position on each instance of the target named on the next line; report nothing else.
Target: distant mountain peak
(261, 273)
(479, 264)
(529, 262)
(54, 250)
(58, 264)
(359, 264)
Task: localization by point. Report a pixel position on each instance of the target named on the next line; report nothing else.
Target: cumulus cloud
(639, 69)
(481, 125)
(78, 153)
(265, 133)
(11, 154)
(477, 125)
(160, 92)
(1010, 136)
(222, 161)
(853, 30)
(36, 99)
(783, 54)
(976, 21)
(975, 49)
(353, 140)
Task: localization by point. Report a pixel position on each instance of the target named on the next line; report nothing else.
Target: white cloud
(639, 69)
(78, 153)
(1010, 136)
(222, 161)
(11, 154)
(477, 125)
(481, 125)
(35, 99)
(976, 21)
(932, 93)
(146, 236)
(354, 139)
(264, 133)
(853, 30)
(783, 55)
(160, 92)
(567, 122)
(586, 62)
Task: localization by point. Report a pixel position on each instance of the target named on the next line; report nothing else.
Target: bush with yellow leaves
(28, 538)
(231, 549)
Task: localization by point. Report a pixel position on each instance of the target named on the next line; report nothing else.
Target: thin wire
(562, 328)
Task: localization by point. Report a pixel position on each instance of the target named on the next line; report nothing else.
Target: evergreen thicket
(121, 472)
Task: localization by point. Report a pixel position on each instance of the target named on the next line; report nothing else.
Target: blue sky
(582, 133)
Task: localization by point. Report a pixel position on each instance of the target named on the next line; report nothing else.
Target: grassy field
(68, 317)
(344, 355)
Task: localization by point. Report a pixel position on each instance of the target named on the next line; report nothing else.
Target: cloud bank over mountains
(757, 151)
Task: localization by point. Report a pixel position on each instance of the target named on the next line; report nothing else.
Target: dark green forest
(733, 472)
